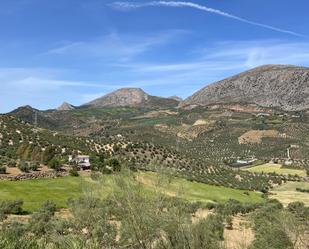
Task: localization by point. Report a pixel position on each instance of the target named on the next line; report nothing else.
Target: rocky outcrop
(277, 86)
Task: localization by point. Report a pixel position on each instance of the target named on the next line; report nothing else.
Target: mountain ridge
(277, 86)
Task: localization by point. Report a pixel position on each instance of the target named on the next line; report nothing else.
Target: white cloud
(180, 4)
(255, 53)
(36, 79)
(116, 46)
(214, 63)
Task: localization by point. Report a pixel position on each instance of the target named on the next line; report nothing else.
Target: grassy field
(194, 191)
(286, 193)
(35, 192)
(271, 168)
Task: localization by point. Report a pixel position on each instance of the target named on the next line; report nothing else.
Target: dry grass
(241, 236)
(201, 122)
(256, 136)
(286, 193)
(276, 168)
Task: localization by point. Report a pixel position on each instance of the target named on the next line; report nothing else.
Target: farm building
(82, 161)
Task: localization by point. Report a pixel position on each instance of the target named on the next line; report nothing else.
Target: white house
(82, 161)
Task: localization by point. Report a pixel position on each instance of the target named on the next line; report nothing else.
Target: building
(246, 161)
(82, 161)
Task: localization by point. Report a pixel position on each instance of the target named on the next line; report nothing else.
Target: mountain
(132, 97)
(65, 107)
(279, 86)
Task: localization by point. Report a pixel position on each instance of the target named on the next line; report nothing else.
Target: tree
(48, 154)
(55, 164)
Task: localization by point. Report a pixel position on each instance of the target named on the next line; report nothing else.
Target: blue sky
(77, 50)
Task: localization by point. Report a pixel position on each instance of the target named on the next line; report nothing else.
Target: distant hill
(132, 97)
(33, 116)
(278, 86)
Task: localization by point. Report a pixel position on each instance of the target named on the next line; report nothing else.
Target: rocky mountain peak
(65, 107)
(132, 97)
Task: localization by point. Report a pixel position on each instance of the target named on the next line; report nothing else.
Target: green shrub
(114, 164)
(12, 164)
(39, 223)
(2, 170)
(11, 207)
(73, 172)
(34, 166)
(55, 164)
(24, 166)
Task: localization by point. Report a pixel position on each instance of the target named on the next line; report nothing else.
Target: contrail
(178, 4)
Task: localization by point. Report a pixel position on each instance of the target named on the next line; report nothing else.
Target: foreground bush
(10, 207)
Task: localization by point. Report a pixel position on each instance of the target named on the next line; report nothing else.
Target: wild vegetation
(130, 217)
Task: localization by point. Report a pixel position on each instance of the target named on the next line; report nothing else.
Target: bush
(229, 222)
(12, 164)
(114, 164)
(55, 164)
(73, 172)
(40, 221)
(2, 170)
(95, 176)
(107, 170)
(34, 166)
(271, 237)
(24, 166)
(11, 207)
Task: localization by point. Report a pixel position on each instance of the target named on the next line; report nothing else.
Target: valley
(130, 152)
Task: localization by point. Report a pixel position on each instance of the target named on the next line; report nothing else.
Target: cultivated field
(276, 168)
(59, 190)
(35, 192)
(194, 191)
(287, 193)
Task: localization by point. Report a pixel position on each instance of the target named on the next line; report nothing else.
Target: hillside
(132, 97)
(279, 86)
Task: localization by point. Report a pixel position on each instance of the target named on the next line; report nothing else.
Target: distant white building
(82, 161)
(246, 161)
